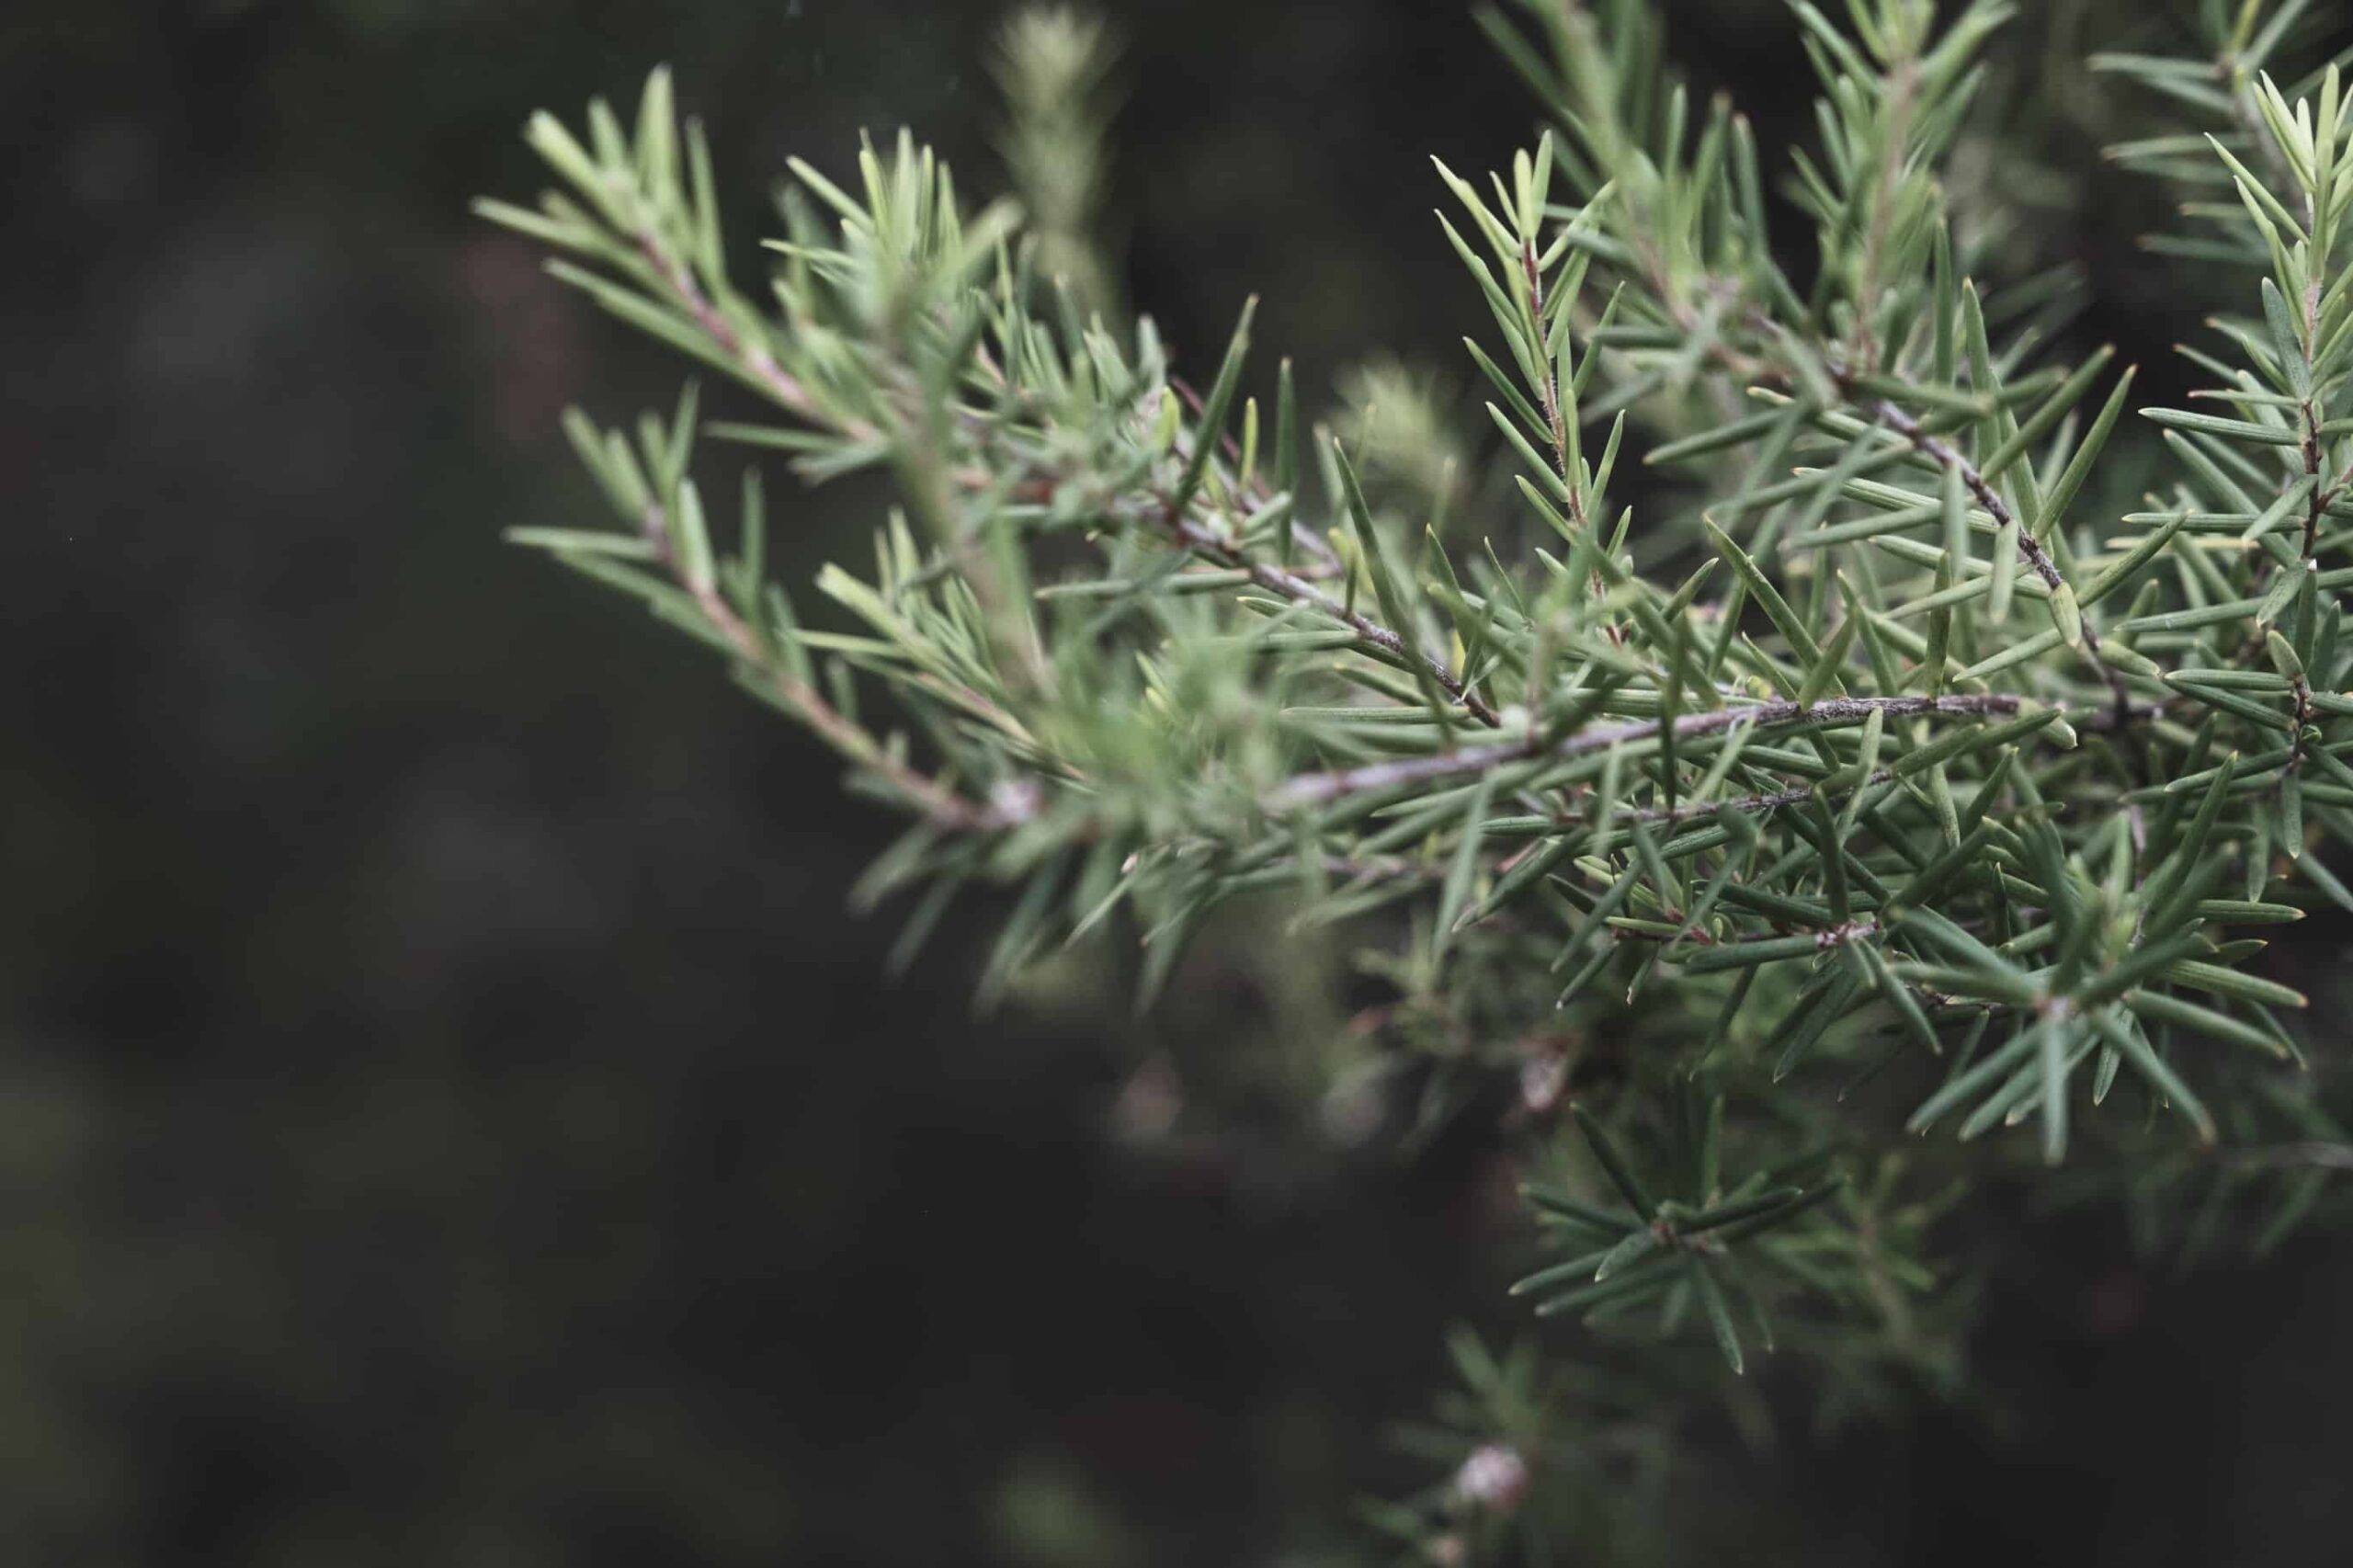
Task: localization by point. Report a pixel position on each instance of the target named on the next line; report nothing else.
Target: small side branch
(785, 389)
(1320, 789)
(927, 797)
(790, 393)
(1747, 805)
(2031, 551)
(1202, 541)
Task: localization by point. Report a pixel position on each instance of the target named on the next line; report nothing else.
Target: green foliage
(1882, 778)
(1054, 66)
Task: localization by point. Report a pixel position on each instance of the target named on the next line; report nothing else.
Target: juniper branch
(1903, 872)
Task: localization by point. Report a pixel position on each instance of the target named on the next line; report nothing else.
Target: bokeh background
(446, 1115)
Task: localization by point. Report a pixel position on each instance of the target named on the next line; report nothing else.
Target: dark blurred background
(446, 1115)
